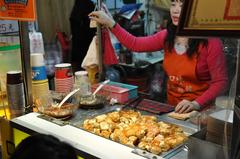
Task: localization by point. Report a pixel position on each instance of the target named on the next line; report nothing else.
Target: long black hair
(41, 146)
(192, 43)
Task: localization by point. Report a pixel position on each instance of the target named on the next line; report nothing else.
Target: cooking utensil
(68, 96)
(100, 87)
(65, 111)
(87, 102)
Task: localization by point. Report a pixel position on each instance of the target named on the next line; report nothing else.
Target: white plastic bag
(36, 42)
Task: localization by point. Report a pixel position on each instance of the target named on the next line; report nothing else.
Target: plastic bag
(36, 42)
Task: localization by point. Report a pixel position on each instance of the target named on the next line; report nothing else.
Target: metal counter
(83, 114)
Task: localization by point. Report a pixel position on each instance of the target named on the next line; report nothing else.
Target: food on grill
(183, 116)
(133, 129)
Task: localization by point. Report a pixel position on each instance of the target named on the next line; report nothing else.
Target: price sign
(8, 26)
(23, 10)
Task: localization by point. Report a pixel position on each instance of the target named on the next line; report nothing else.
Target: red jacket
(211, 66)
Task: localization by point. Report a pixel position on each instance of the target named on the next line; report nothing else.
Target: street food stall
(99, 142)
(119, 121)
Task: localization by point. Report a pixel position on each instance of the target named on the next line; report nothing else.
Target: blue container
(39, 73)
(132, 90)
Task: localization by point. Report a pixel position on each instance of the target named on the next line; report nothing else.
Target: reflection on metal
(199, 147)
(60, 121)
(26, 68)
(145, 154)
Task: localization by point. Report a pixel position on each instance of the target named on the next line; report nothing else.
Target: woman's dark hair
(42, 146)
(192, 43)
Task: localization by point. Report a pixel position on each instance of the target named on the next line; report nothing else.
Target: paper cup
(63, 70)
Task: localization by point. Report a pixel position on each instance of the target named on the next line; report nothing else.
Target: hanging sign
(210, 18)
(23, 10)
(8, 26)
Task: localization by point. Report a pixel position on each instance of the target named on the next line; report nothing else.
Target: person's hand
(186, 106)
(102, 18)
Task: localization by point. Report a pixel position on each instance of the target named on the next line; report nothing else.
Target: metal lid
(14, 77)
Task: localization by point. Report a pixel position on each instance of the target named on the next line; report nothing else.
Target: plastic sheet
(228, 137)
(235, 145)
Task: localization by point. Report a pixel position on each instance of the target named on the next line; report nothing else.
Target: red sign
(232, 10)
(23, 10)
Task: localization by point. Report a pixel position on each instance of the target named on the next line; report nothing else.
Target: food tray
(81, 115)
(167, 154)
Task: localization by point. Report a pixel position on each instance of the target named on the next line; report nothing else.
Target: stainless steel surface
(187, 126)
(199, 147)
(26, 67)
(180, 153)
(146, 154)
(82, 114)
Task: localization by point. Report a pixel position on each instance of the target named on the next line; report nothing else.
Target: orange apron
(182, 79)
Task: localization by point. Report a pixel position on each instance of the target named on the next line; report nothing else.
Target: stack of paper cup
(63, 78)
(40, 85)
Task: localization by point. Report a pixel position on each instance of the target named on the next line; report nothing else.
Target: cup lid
(62, 65)
(14, 77)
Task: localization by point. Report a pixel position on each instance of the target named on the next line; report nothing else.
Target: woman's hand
(102, 18)
(186, 106)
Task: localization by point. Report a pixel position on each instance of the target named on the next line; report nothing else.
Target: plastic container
(119, 91)
(47, 104)
(82, 82)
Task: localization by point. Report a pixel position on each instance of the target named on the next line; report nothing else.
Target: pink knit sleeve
(217, 69)
(139, 44)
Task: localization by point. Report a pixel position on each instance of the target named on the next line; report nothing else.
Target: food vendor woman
(195, 68)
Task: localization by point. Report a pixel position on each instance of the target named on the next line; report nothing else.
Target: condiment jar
(82, 82)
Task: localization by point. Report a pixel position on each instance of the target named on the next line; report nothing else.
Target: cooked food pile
(133, 129)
